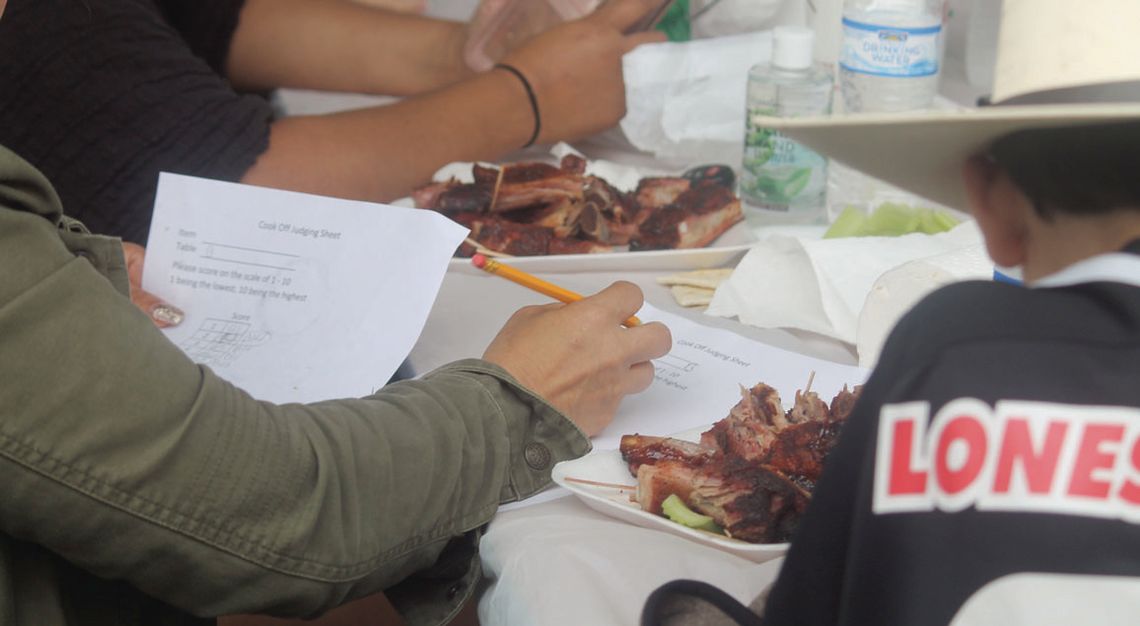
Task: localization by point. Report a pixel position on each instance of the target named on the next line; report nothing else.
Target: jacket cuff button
(537, 456)
(454, 590)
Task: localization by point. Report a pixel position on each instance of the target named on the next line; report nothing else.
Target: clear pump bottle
(781, 181)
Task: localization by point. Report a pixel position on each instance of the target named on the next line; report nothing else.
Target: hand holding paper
(163, 314)
(294, 297)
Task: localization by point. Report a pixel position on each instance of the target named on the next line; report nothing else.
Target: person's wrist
(457, 48)
(531, 99)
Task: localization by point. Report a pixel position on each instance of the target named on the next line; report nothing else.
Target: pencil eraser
(479, 261)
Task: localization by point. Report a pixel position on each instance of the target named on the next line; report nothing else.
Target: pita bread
(692, 296)
(706, 279)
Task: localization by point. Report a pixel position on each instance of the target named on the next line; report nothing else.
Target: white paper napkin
(685, 101)
(900, 288)
(623, 177)
(822, 285)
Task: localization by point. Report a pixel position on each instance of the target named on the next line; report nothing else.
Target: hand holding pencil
(578, 357)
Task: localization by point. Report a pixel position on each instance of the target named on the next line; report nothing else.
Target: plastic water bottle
(781, 181)
(891, 54)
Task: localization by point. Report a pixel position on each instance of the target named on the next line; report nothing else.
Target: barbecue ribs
(527, 209)
(753, 471)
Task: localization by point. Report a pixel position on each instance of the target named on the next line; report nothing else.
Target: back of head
(1065, 55)
(1079, 171)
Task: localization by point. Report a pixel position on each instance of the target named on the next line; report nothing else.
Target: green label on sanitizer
(778, 173)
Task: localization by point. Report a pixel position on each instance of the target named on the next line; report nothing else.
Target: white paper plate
(725, 251)
(607, 466)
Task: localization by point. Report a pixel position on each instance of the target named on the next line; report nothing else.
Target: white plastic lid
(792, 47)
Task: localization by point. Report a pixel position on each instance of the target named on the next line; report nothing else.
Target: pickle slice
(889, 219)
(674, 508)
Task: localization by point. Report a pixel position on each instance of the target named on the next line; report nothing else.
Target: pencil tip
(479, 261)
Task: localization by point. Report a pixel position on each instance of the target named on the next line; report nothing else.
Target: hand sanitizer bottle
(781, 181)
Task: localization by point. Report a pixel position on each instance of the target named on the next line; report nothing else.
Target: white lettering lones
(1016, 456)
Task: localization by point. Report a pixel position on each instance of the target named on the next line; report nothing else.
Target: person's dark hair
(1082, 170)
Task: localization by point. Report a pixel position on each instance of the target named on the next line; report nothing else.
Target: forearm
(343, 46)
(218, 504)
(123, 457)
(288, 514)
(575, 71)
(382, 153)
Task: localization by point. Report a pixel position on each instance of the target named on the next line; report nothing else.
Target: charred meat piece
(638, 450)
(693, 220)
(561, 216)
(746, 439)
(498, 234)
(466, 250)
(510, 238)
(519, 194)
(801, 449)
(486, 176)
(573, 164)
(507, 188)
(750, 426)
(844, 402)
(464, 199)
(761, 403)
(809, 407)
(427, 196)
(452, 196)
(593, 225)
(657, 481)
(605, 213)
(717, 174)
(607, 199)
(758, 430)
(659, 192)
(530, 172)
(532, 184)
(751, 502)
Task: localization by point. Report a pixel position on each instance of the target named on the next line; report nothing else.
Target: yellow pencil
(530, 281)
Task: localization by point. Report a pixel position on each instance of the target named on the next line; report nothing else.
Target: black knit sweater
(102, 95)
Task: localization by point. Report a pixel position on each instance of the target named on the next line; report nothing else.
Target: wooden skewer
(495, 191)
(595, 483)
(811, 378)
(481, 249)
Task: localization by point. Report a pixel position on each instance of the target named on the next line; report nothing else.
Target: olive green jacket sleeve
(121, 456)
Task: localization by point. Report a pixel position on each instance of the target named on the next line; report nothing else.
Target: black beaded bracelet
(533, 101)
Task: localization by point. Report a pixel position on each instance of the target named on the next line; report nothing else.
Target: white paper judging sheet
(699, 380)
(291, 296)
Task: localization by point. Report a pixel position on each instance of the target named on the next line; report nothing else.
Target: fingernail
(167, 314)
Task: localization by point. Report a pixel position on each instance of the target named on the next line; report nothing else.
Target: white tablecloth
(472, 307)
(560, 563)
